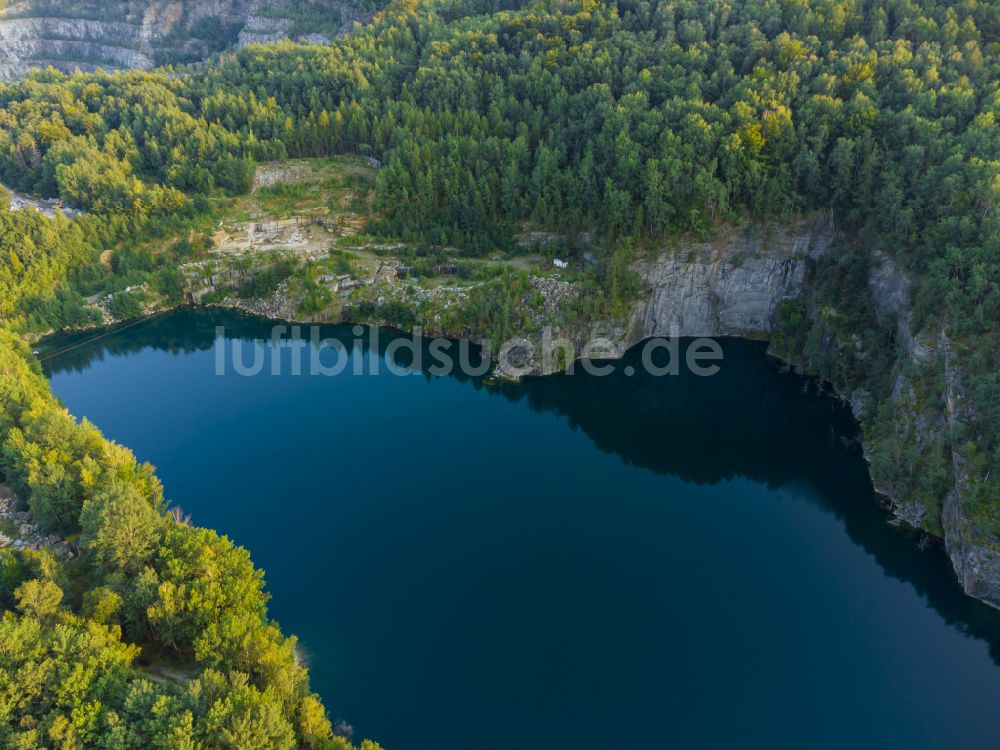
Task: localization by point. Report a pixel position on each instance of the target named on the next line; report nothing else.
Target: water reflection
(750, 420)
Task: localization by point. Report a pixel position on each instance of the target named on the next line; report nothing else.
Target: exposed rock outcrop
(890, 289)
(126, 34)
(30, 42)
(19, 531)
(975, 563)
(729, 286)
(263, 30)
(733, 285)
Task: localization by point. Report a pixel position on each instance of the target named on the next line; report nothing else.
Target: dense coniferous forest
(635, 121)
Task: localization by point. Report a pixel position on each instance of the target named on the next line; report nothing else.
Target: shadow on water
(756, 420)
(751, 420)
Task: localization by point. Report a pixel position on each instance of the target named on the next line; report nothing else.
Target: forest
(634, 120)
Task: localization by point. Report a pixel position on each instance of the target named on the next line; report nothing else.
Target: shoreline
(884, 499)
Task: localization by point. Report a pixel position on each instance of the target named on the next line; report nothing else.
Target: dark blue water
(574, 562)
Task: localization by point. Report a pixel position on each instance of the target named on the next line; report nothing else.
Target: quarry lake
(570, 562)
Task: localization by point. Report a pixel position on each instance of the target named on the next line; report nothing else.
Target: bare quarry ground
(300, 206)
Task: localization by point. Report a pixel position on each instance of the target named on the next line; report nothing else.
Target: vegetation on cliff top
(158, 636)
(628, 119)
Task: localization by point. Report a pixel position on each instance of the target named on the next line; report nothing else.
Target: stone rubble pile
(277, 306)
(19, 531)
(555, 295)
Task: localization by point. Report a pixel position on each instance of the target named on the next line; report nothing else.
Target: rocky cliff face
(733, 285)
(924, 422)
(117, 34)
(730, 286)
(975, 562)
